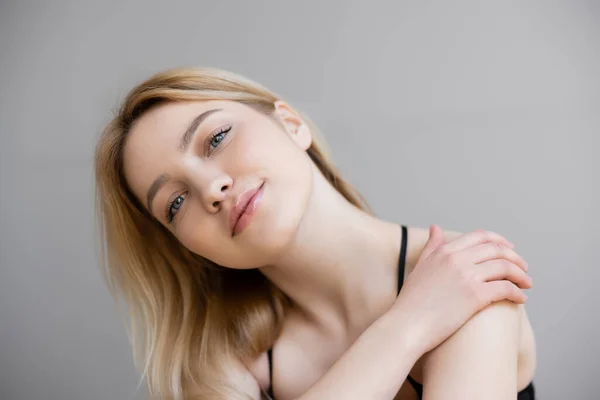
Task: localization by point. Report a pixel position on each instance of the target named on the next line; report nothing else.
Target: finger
(503, 290)
(504, 270)
(479, 236)
(492, 251)
(436, 239)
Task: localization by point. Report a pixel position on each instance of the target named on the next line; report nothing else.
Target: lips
(241, 203)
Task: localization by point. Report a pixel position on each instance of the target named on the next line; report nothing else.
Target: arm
(477, 271)
(374, 367)
(480, 360)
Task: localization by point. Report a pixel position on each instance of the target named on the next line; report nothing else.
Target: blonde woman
(251, 269)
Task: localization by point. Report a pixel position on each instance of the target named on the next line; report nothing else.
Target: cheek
(201, 235)
(263, 148)
(251, 153)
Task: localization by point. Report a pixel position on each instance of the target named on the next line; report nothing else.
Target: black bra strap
(401, 267)
(416, 385)
(402, 261)
(270, 356)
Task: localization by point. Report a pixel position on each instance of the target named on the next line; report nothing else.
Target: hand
(453, 281)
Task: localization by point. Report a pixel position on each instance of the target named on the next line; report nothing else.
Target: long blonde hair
(186, 315)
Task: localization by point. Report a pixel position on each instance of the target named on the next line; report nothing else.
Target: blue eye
(216, 138)
(174, 206)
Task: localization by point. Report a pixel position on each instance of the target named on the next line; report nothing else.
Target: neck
(341, 269)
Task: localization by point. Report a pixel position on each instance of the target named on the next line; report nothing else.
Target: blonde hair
(188, 317)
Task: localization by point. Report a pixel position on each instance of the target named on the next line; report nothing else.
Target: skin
(337, 263)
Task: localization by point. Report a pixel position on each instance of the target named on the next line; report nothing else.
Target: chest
(301, 359)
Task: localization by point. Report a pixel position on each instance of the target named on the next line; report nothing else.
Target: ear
(293, 124)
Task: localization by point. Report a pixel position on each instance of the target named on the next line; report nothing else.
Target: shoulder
(417, 239)
(497, 324)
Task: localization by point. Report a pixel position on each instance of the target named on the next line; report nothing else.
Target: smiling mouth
(245, 209)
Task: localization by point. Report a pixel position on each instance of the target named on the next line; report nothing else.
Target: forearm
(479, 361)
(374, 367)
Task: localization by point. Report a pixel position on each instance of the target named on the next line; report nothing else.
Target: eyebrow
(154, 188)
(186, 139)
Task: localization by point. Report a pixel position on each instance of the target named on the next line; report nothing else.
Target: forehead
(170, 120)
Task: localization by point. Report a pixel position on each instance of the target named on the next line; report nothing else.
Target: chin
(260, 246)
(273, 233)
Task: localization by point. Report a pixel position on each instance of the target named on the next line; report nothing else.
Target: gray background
(480, 114)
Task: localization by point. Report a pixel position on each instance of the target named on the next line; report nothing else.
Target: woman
(250, 268)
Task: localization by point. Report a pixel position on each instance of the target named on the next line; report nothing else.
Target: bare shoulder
(417, 239)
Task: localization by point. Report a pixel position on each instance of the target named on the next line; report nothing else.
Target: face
(194, 165)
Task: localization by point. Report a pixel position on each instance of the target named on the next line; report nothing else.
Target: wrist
(406, 332)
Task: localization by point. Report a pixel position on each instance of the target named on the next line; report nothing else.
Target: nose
(212, 185)
(216, 192)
